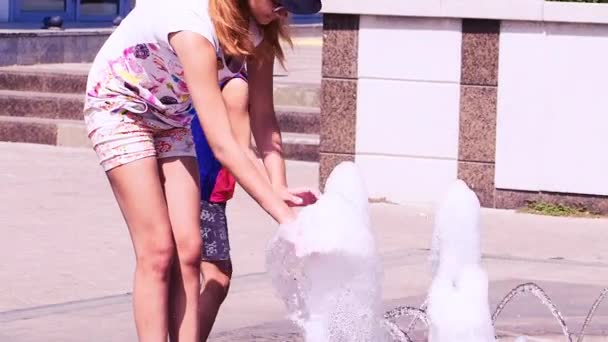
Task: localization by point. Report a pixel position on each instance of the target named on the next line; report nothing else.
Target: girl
(159, 63)
(217, 185)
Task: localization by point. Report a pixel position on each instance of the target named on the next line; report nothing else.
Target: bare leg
(216, 282)
(217, 274)
(139, 194)
(181, 190)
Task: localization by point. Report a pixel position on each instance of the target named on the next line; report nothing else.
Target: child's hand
(299, 197)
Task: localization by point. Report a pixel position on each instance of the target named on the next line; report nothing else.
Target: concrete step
(72, 133)
(43, 81)
(69, 107)
(299, 146)
(72, 80)
(297, 94)
(299, 119)
(41, 105)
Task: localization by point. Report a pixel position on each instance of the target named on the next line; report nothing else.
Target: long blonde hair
(232, 22)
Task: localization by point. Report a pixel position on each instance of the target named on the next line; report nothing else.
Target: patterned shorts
(214, 231)
(135, 137)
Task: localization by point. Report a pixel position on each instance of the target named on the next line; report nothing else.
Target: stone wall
(506, 95)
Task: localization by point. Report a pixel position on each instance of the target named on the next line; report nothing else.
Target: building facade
(507, 95)
(73, 12)
(81, 12)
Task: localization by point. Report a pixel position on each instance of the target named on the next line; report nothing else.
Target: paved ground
(67, 260)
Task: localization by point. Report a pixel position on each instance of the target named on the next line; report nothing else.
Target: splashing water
(603, 295)
(542, 296)
(325, 268)
(458, 298)
(539, 293)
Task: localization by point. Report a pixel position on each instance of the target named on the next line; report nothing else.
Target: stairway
(43, 105)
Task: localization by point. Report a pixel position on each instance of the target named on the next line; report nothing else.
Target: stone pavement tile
(61, 228)
(504, 233)
(281, 331)
(103, 322)
(543, 272)
(66, 241)
(523, 321)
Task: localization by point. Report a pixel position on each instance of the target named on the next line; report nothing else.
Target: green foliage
(556, 209)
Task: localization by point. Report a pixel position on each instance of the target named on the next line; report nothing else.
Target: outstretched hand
(299, 197)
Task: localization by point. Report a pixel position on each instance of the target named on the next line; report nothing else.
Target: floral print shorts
(130, 137)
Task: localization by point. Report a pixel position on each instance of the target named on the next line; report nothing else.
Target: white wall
(408, 105)
(4, 10)
(537, 10)
(552, 124)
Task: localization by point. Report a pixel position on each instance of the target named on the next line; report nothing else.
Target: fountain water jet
(325, 268)
(542, 296)
(594, 307)
(458, 298)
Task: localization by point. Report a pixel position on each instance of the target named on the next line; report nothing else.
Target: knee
(156, 260)
(241, 106)
(189, 250)
(236, 94)
(217, 276)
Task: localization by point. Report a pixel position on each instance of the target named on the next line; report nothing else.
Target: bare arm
(198, 58)
(236, 97)
(267, 133)
(265, 127)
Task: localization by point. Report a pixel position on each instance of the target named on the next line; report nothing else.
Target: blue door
(71, 10)
(102, 10)
(307, 19)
